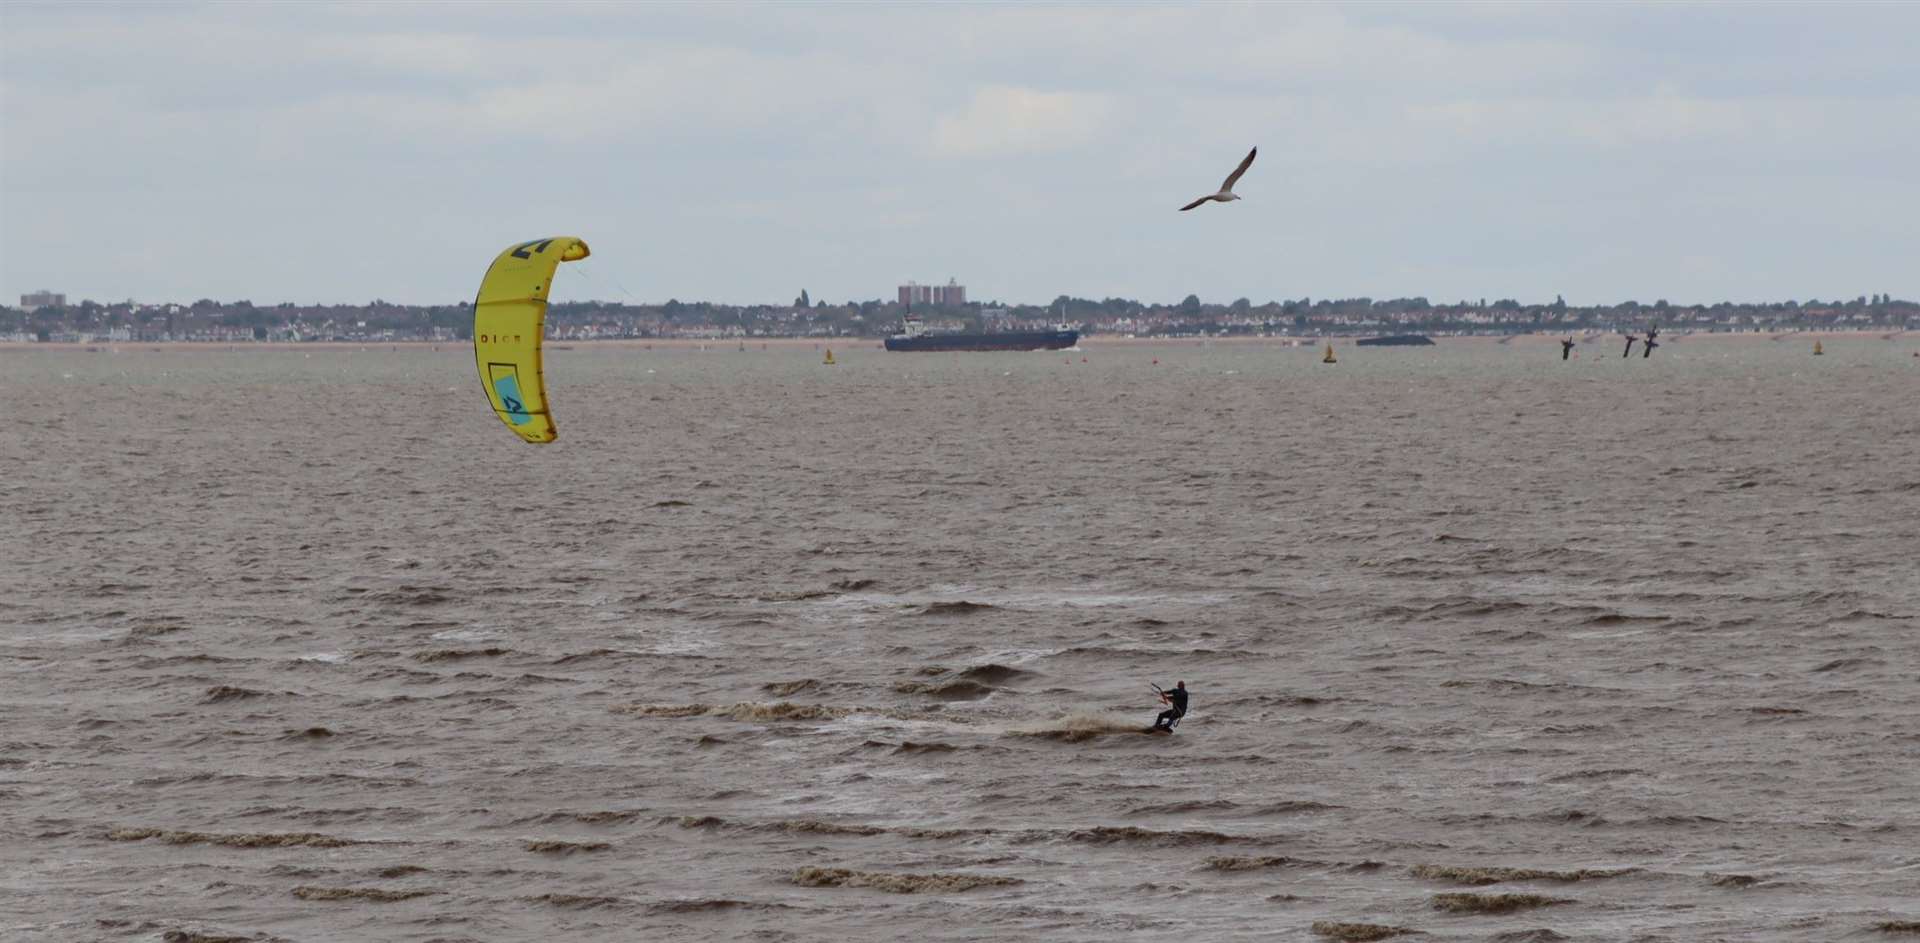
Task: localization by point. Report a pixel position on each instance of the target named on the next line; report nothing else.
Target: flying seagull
(1226, 189)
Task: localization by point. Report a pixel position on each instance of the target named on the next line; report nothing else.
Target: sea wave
(1261, 863)
(1478, 876)
(957, 690)
(898, 883)
(239, 840)
(957, 608)
(1079, 727)
(555, 847)
(375, 894)
(1493, 903)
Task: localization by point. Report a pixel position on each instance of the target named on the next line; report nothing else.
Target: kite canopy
(509, 318)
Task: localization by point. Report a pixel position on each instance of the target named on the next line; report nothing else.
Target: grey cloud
(737, 153)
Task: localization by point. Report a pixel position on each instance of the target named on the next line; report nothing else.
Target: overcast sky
(339, 153)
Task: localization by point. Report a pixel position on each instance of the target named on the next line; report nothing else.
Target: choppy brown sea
(304, 645)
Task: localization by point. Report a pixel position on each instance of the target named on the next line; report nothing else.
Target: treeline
(1482, 314)
(873, 318)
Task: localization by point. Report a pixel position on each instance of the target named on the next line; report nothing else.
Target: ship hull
(1397, 340)
(999, 340)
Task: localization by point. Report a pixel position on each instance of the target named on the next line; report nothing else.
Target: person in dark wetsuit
(1176, 700)
(1566, 347)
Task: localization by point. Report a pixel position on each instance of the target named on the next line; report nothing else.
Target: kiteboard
(1162, 694)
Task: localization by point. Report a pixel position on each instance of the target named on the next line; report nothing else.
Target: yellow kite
(509, 318)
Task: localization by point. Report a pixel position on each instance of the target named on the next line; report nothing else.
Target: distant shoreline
(862, 343)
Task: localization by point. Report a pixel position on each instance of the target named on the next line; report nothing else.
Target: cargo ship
(914, 337)
(1397, 340)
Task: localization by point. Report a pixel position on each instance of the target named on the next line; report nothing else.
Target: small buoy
(829, 360)
(1157, 360)
(1328, 356)
(1816, 349)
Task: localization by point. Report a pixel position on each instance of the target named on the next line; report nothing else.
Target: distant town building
(43, 299)
(952, 293)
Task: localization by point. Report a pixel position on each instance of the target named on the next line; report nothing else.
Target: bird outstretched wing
(1195, 203)
(1234, 177)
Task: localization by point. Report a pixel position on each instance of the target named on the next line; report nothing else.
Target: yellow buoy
(829, 360)
(1816, 349)
(1328, 356)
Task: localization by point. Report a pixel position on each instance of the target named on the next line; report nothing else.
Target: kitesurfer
(1630, 339)
(1566, 347)
(1176, 701)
